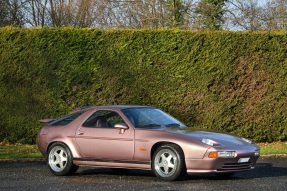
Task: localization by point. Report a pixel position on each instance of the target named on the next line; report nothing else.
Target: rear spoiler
(47, 120)
(81, 108)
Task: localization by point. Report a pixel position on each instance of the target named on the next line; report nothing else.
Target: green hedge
(227, 81)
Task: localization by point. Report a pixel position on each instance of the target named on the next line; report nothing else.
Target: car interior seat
(101, 122)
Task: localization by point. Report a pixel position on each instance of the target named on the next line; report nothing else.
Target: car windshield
(146, 117)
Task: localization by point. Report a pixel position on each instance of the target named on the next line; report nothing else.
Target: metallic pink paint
(134, 147)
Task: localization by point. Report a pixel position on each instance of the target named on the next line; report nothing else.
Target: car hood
(223, 139)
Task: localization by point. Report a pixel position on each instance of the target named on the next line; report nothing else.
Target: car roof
(121, 106)
(112, 107)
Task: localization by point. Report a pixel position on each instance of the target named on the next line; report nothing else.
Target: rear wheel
(60, 160)
(168, 162)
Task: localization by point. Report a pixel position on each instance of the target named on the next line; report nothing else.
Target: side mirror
(121, 126)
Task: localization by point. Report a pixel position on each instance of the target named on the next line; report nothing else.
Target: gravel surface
(269, 174)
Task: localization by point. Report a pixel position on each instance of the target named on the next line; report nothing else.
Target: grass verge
(20, 151)
(275, 148)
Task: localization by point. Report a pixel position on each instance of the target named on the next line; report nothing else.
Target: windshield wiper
(172, 125)
(150, 125)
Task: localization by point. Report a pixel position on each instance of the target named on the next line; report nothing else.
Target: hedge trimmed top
(227, 81)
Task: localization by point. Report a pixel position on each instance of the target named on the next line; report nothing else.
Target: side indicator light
(142, 149)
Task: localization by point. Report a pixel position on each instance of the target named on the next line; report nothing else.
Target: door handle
(80, 132)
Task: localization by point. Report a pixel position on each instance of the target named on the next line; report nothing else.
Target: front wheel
(168, 162)
(60, 160)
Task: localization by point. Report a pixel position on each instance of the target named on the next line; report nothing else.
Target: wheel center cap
(165, 163)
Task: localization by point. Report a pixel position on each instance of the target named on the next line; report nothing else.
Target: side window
(67, 119)
(103, 119)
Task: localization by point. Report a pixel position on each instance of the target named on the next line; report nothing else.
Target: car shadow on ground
(267, 170)
(114, 171)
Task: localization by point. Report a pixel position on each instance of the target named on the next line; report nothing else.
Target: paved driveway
(270, 174)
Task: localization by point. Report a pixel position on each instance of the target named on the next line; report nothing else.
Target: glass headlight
(210, 142)
(246, 140)
(257, 153)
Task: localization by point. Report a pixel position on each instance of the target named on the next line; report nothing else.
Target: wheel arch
(70, 146)
(159, 144)
(51, 143)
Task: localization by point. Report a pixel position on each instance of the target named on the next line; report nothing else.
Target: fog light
(227, 154)
(257, 153)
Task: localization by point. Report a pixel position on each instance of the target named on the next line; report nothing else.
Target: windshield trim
(144, 120)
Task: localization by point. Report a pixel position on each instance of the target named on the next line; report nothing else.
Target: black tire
(59, 160)
(168, 162)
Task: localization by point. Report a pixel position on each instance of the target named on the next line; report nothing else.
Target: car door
(98, 139)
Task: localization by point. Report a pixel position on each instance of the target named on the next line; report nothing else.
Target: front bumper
(244, 161)
(195, 166)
